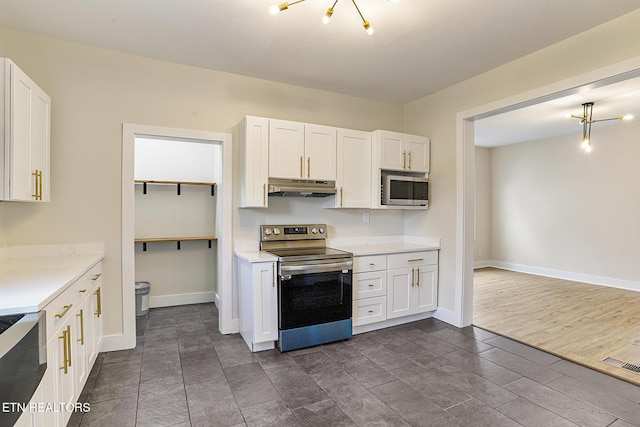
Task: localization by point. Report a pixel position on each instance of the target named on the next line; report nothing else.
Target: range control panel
(292, 232)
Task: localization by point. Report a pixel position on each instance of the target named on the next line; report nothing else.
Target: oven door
(313, 293)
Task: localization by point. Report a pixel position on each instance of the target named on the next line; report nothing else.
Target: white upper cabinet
(402, 152)
(24, 145)
(286, 149)
(254, 161)
(320, 152)
(300, 151)
(353, 178)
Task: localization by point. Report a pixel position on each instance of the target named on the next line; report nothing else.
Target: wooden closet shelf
(174, 239)
(147, 181)
(178, 240)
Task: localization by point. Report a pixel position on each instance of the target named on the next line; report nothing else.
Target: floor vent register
(624, 365)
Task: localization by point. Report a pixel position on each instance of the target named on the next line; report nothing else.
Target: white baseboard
(447, 316)
(114, 343)
(482, 263)
(568, 275)
(181, 299)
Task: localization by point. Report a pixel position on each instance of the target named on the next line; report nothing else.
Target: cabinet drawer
(366, 285)
(412, 259)
(369, 310)
(369, 263)
(58, 310)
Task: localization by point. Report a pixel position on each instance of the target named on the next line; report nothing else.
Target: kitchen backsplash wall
(341, 222)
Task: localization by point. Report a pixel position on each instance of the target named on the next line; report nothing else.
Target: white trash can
(142, 298)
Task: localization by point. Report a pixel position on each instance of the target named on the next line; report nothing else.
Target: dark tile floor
(184, 372)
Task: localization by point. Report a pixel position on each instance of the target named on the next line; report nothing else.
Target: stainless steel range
(314, 285)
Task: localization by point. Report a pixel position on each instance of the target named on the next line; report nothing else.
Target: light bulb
(327, 16)
(627, 117)
(368, 28)
(588, 148)
(585, 143)
(278, 8)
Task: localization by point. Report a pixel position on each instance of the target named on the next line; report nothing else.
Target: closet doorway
(176, 217)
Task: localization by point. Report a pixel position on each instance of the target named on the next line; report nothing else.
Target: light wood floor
(576, 321)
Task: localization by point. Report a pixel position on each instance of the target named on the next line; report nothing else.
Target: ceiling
(418, 48)
(549, 119)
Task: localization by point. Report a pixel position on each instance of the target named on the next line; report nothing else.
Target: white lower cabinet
(258, 302)
(74, 337)
(413, 286)
(394, 285)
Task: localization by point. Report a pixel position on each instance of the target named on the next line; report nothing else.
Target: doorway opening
(187, 208)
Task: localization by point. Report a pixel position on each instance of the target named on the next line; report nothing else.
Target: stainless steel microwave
(401, 190)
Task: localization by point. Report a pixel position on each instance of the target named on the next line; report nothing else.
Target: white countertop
(385, 248)
(256, 256)
(29, 283)
(378, 245)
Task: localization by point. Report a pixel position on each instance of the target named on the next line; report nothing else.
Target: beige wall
(435, 116)
(94, 91)
(482, 237)
(559, 208)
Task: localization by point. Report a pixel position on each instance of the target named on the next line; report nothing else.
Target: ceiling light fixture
(587, 119)
(328, 14)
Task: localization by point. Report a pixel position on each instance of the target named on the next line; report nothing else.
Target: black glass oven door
(315, 298)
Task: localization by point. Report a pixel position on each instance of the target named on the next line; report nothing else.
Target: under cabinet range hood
(301, 188)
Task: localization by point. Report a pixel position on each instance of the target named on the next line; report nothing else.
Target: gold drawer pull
(96, 277)
(372, 264)
(370, 311)
(81, 316)
(371, 285)
(82, 291)
(98, 294)
(415, 260)
(66, 308)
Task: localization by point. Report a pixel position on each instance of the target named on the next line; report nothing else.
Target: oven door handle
(317, 268)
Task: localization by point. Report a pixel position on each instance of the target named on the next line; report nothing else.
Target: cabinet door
(29, 129)
(61, 359)
(417, 153)
(265, 299)
(254, 158)
(95, 313)
(286, 149)
(320, 152)
(353, 181)
(426, 288)
(392, 146)
(399, 292)
(79, 345)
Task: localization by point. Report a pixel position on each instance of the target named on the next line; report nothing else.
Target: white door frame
(465, 165)
(223, 223)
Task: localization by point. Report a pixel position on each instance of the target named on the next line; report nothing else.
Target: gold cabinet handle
(98, 294)
(418, 276)
(370, 311)
(301, 175)
(409, 167)
(82, 291)
(64, 347)
(66, 308)
(81, 316)
(273, 270)
(69, 344)
(404, 160)
(37, 184)
(308, 167)
(264, 194)
(341, 200)
(371, 285)
(415, 260)
(96, 277)
(413, 279)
